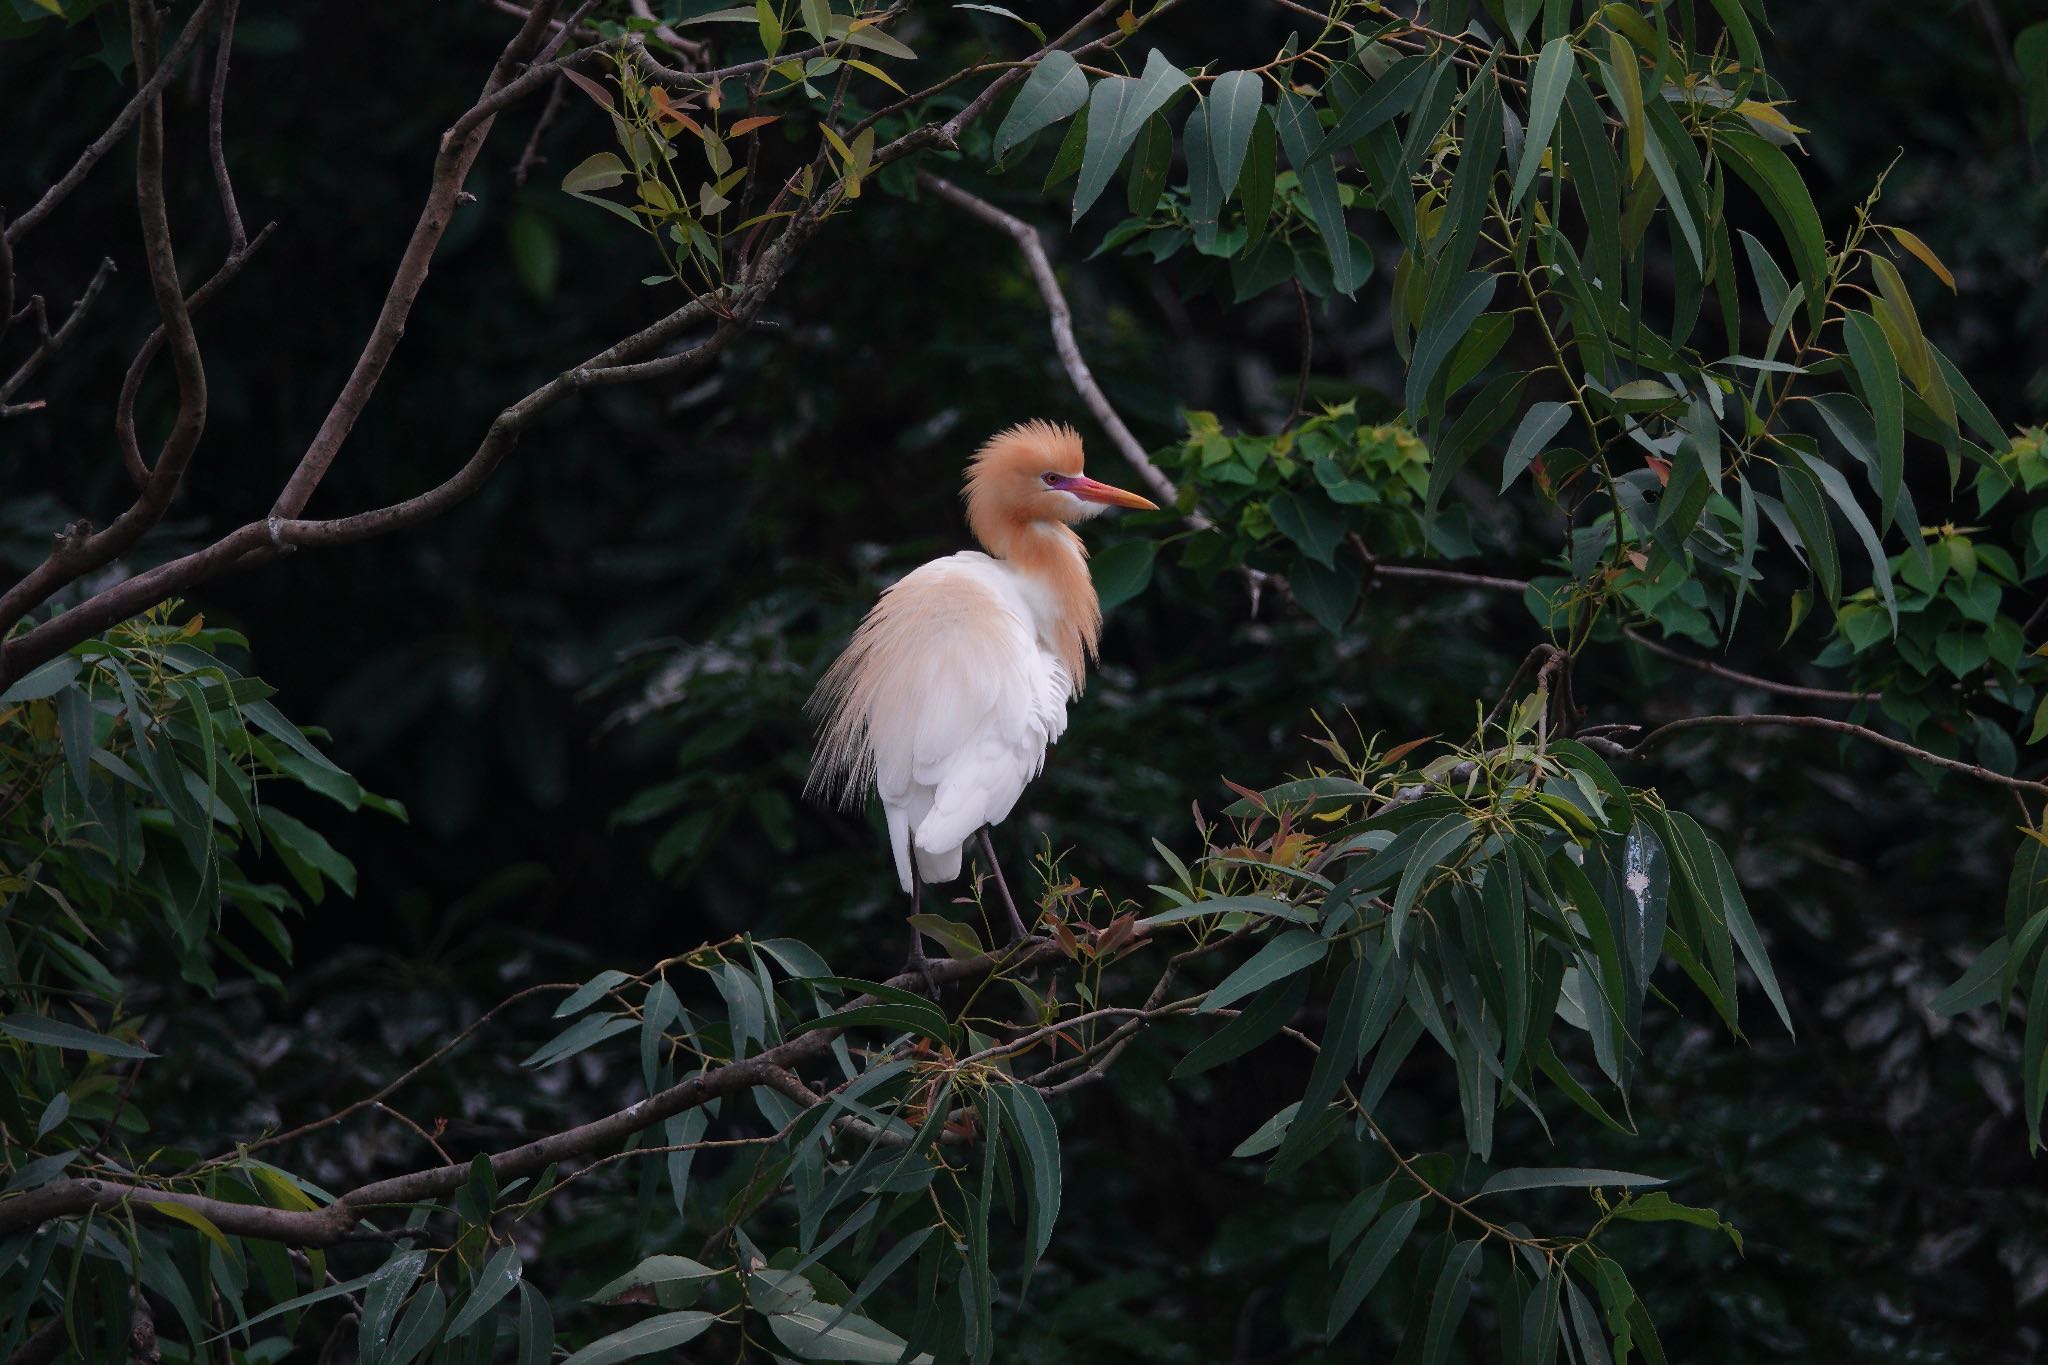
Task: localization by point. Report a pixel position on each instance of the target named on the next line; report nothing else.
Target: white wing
(948, 698)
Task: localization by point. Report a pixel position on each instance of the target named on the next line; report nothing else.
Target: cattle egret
(959, 676)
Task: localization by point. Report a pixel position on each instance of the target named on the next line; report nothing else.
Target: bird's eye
(1051, 480)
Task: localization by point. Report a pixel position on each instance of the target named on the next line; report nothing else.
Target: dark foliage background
(586, 685)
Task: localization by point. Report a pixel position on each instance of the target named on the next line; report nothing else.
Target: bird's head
(1032, 473)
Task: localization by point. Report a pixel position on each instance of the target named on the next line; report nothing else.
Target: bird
(958, 678)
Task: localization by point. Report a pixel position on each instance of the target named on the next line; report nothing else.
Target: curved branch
(1062, 318)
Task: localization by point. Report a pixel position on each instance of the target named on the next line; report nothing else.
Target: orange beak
(1091, 491)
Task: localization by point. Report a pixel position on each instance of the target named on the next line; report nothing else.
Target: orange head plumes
(1024, 491)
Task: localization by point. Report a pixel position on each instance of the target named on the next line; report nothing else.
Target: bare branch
(238, 237)
(131, 383)
(1839, 727)
(1062, 318)
(459, 148)
(1665, 651)
(49, 343)
(151, 88)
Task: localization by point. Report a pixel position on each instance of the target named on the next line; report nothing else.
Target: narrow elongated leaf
(499, 1277)
(1391, 96)
(1294, 951)
(1809, 518)
(44, 681)
(1299, 131)
(1447, 1303)
(1770, 173)
(1432, 850)
(1554, 71)
(1117, 110)
(663, 1332)
(1037, 1139)
(1978, 985)
(1264, 1017)
(1231, 111)
(1747, 940)
(1565, 1177)
(34, 1028)
(1837, 488)
(1441, 331)
(1370, 1262)
(1879, 374)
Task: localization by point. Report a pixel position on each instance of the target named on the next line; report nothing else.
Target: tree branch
(152, 86)
(48, 343)
(1061, 317)
(342, 1220)
(1657, 736)
(1783, 689)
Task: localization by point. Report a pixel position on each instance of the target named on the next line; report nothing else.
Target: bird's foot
(922, 965)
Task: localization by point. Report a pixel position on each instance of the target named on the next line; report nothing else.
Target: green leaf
(1295, 950)
(1770, 173)
(1263, 1018)
(663, 1332)
(653, 1273)
(44, 1032)
(1231, 111)
(1255, 186)
(1370, 1262)
(536, 1327)
(1625, 89)
(1979, 984)
(1034, 29)
(1327, 594)
(1554, 71)
(817, 1332)
(1150, 162)
(499, 1277)
(1564, 1177)
(1809, 518)
(387, 1291)
(1432, 848)
(923, 1019)
(1447, 1302)
(1837, 488)
(1299, 133)
(1392, 95)
(44, 681)
(1443, 326)
(1037, 1139)
(590, 992)
(1747, 940)
(1055, 89)
(603, 171)
(1117, 110)
(2034, 1054)
(1313, 524)
(1539, 424)
(420, 1325)
(1122, 571)
(1879, 374)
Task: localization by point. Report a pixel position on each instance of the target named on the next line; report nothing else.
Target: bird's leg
(988, 855)
(917, 961)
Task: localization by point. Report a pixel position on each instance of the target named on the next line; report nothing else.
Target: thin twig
(238, 237)
(152, 86)
(529, 156)
(1839, 727)
(1783, 689)
(50, 343)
